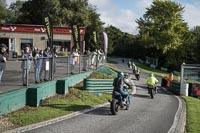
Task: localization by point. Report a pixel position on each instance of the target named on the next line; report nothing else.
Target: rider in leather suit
(119, 84)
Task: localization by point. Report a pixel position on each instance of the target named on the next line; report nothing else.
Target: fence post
(96, 61)
(80, 63)
(68, 66)
(26, 72)
(52, 67)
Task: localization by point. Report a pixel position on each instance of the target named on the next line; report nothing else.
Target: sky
(123, 13)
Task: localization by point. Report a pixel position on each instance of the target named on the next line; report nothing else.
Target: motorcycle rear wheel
(137, 77)
(151, 93)
(114, 106)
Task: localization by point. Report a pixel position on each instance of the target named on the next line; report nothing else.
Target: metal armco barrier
(175, 87)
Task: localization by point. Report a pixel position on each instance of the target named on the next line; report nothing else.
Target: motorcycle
(116, 103)
(137, 74)
(152, 90)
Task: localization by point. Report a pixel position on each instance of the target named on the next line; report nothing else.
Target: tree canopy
(162, 25)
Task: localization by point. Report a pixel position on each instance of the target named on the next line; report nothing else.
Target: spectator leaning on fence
(93, 59)
(35, 51)
(3, 59)
(38, 66)
(26, 64)
(74, 59)
(47, 64)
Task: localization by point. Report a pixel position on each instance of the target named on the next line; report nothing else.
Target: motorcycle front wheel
(114, 105)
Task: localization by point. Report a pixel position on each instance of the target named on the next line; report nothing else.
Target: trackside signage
(37, 29)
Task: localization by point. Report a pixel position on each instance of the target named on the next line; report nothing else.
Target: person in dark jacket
(118, 84)
(38, 65)
(3, 59)
(26, 64)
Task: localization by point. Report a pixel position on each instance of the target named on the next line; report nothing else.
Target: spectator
(47, 64)
(169, 79)
(26, 64)
(129, 83)
(99, 56)
(93, 59)
(35, 51)
(38, 65)
(133, 66)
(85, 59)
(74, 59)
(3, 59)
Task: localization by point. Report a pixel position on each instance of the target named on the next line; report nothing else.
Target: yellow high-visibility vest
(152, 81)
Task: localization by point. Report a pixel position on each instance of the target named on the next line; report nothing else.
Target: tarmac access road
(145, 115)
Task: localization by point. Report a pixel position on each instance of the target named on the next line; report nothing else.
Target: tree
(162, 26)
(94, 24)
(115, 37)
(3, 3)
(62, 13)
(3, 11)
(14, 11)
(195, 44)
(74, 12)
(121, 43)
(32, 11)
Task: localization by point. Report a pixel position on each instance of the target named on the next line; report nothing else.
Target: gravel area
(5, 124)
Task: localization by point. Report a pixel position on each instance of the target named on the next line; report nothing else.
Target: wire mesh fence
(26, 72)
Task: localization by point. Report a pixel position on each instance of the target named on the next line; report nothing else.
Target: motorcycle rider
(151, 80)
(133, 66)
(119, 84)
(137, 73)
(130, 84)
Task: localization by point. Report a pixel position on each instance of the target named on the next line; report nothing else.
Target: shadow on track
(100, 111)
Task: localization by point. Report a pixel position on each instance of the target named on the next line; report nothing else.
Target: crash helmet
(120, 74)
(126, 75)
(151, 75)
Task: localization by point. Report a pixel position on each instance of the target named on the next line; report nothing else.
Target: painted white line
(176, 117)
(177, 123)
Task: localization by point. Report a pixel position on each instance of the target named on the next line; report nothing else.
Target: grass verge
(192, 115)
(147, 69)
(56, 106)
(110, 61)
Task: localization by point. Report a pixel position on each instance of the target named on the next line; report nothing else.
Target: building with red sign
(17, 36)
